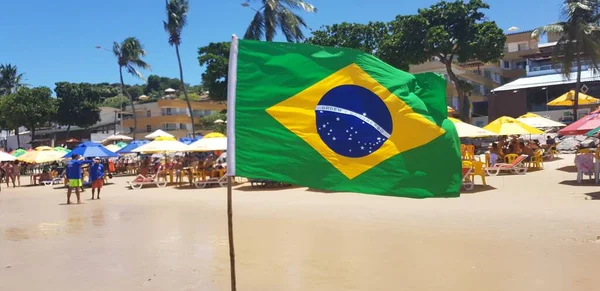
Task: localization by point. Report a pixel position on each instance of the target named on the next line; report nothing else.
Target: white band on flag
(352, 113)
(231, 92)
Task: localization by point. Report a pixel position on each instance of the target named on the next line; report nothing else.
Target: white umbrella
(117, 137)
(208, 144)
(158, 133)
(468, 130)
(162, 145)
(5, 157)
(219, 121)
(538, 121)
(170, 90)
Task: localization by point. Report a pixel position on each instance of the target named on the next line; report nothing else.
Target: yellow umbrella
(40, 155)
(509, 126)
(450, 109)
(567, 99)
(467, 130)
(162, 145)
(214, 134)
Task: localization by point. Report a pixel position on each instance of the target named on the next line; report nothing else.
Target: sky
(54, 41)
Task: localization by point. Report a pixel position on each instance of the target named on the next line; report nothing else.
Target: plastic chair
(478, 170)
(510, 158)
(537, 161)
(467, 169)
(585, 166)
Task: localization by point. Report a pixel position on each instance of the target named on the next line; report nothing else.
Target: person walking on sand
(97, 176)
(74, 174)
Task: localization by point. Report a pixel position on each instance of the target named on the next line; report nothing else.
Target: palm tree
(177, 11)
(10, 79)
(580, 38)
(277, 14)
(129, 55)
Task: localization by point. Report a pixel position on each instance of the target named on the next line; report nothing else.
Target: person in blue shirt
(97, 176)
(73, 172)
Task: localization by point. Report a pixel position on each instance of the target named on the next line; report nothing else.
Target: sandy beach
(540, 231)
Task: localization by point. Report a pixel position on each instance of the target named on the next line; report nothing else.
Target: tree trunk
(68, 132)
(456, 81)
(32, 131)
(18, 137)
(187, 100)
(130, 99)
(577, 87)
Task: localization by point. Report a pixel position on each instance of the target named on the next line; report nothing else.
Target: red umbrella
(582, 125)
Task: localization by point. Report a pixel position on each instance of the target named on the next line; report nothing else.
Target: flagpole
(231, 94)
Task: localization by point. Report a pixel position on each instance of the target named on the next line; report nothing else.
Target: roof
(547, 80)
(548, 44)
(520, 32)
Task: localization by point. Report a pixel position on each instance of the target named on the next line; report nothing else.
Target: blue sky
(52, 41)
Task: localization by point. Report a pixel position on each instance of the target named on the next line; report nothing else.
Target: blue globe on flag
(353, 121)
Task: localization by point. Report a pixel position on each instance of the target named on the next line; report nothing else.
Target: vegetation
(276, 15)
(29, 107)
(10, 79)
(129, 54)
(208, 122)
(580, 38)
(118, 102)
(215, 56)
(177, 11)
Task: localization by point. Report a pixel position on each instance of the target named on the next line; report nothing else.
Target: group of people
(11, 171)
(514, 145)
(74, 175)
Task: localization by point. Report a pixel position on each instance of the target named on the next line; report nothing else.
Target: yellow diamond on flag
(353, 121)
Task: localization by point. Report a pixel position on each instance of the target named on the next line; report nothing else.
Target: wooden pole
(230, 231)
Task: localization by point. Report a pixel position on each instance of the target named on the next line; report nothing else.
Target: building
(542, 83)
(170, 115)
(485, 76)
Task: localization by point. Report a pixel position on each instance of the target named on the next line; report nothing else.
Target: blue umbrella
(131, 146)
(189, 140)
(91, 149)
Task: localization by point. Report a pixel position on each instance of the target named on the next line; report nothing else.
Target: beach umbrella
(158, 133)
(90, 150)
(568, 99)
(593, 132)
(18, 152)
(509, 126)
(143, 97)
(6, 157)
(214, 134)
(162, 145)
(209, 144)
(468, 130)
(583, 125)
(219, 121)
(113, 148)
(189, 140)
(121, 144)
(450, 109)
(538, 121)
(131, 146)
(40, 155)
(116, 137)
(62, 150)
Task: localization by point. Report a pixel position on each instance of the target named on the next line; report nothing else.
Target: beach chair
(54, 179)
(140, 181)
(467, 169)
(478, 170)
(550, 153)
(537, 161)
(219, 179)
(516, 166)
(585, 166)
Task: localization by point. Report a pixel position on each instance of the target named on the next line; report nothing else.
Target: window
(148, 113)
(170, 126)
(182, 126)
(505, 64)
(167, 111)
(523, 46)
(521, 65)
(131, 129)
(148, 128)
(505, 47)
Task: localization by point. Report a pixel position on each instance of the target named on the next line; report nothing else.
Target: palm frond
(290, 24)
(133, 71)
(271, 20)
(299, 4)
(177, 11)
(256, 29)
(551, 28)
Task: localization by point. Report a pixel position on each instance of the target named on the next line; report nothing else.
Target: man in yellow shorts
(74, 176)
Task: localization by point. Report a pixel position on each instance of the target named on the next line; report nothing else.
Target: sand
(540, 231)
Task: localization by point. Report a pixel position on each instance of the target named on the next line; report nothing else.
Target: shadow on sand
(584, 182)
(477, 189)
(249, 188)
(593, 195)
(568, 169)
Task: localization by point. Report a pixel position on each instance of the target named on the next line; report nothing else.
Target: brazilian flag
(339, 119)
